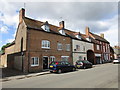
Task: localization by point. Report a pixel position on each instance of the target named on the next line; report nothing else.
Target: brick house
(101, 51)
(36, 44)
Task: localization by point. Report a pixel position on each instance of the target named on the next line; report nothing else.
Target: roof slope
(35, 24)
(99, 38)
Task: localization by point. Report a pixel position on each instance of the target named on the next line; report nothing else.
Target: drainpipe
(71, 50)
(28, 48)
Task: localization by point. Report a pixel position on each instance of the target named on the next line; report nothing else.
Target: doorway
(45, 62)
(91, 56)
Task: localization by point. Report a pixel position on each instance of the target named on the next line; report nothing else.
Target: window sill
(34, 65)
(45, 47)
(59, 49)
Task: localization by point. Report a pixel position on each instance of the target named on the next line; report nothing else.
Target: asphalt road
(101, 76)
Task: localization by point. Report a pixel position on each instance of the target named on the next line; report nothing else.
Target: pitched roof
(92, 40)
(97, 37)
(35, 24)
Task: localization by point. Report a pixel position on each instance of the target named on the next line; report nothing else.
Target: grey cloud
(77, 15)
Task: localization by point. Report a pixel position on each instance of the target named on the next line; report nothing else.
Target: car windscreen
(85, 61)
(55, 63)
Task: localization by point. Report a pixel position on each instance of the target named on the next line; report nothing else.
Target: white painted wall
(82, 52)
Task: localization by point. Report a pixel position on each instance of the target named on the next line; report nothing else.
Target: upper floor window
(104, 48)
(88, 39)
(45, 44)
(59, 46)
(67, 47)
(77, 48)
(78, 36)
(62, 32)
(35, 61)
(98, 47)
(46, 28)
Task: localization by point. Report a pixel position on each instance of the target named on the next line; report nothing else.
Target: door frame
(48, 60)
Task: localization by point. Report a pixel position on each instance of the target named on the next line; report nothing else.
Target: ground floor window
(64, 58)
(80, 57)
(52, 58)
(35, 61)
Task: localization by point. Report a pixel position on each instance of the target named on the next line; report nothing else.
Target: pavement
(9, 74)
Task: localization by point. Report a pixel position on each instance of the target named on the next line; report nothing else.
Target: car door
(63, 66)
(68, 66)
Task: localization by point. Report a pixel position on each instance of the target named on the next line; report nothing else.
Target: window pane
(68, 47)
(59, 46)
(32, 61)
(65, 58)
(36, 60)
(45, 44)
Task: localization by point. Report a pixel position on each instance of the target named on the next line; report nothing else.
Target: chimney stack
(21, 15)
(87, 31)
(102, 35)
(61, 24)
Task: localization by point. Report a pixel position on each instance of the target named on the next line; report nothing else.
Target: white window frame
(68, 47)
(34, 61)
(58, 45)
(63, 57)
(78, 48)
(46, 28)
(103, 48)
(62, 32)
(78, 36)
(52, 58)
(47, 43)
(88, 39)
(98, 47)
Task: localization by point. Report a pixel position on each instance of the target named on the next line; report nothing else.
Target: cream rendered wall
(82, 52)
(21, 32)
(8, 50)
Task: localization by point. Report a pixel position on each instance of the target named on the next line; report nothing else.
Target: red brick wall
(34, 47)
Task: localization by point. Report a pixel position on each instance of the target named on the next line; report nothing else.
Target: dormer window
(46, 28)
(88, 39)
(62, 32)
(78, 36)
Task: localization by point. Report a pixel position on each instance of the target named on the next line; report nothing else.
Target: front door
(45, 62)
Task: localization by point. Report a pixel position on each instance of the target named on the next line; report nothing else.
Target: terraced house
(38, 43)
(101, 48)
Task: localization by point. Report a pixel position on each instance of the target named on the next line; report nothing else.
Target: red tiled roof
(35, 24)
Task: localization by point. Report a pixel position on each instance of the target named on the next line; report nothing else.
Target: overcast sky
(101, 17)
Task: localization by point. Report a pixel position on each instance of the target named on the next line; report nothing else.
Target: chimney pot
(21, 15)
(87, 31)
(102, 35)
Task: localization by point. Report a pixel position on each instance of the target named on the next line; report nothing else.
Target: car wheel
(74, 69)
(84, 67)
(51, 71)
(59, 71)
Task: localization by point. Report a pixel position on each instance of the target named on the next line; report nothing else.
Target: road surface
(101, 76)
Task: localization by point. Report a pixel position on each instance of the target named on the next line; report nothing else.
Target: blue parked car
(61, 66)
